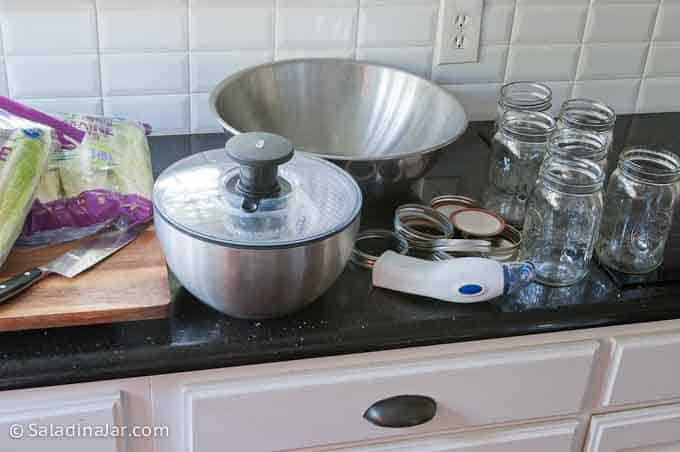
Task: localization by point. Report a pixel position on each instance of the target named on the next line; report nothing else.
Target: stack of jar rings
(416, 227)
(387, 240)
(504, 247)
(425, 232)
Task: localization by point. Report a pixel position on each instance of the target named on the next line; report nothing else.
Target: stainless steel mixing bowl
(385, 126)
(255, 283)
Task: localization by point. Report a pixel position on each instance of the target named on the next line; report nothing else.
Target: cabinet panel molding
(86, 417)
(288, 408)
(643, 369)
(548, 437)
(654, 429)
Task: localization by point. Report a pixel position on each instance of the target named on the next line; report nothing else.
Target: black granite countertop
(352, 316)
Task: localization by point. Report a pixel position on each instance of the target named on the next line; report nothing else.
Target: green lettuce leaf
(20, 175)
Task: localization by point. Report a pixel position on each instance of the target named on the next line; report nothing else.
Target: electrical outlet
(460, 25)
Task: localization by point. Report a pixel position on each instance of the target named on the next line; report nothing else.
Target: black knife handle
(17, 284)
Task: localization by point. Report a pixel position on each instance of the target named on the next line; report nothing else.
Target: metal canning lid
(477, 222)
(448, 204)
(200, 196)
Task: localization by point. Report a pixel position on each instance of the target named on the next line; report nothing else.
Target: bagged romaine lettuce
(105, 181)
(23, 159)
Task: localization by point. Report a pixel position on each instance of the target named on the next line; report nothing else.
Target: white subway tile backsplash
(553, 2)
(52, 31)
(210, 68)
(84, 105)
(417, 60)
(664, 60)
(144, 73)
(621, 22)
(659, 94)
(536, 24)
(612, 61)
(134, 30)
(167, 114)
(316, 27)
(318, 3)
(202, 118)
(668, 27)
(314, 53)
(618, 2)
(397, 25)
(226, 3)
(239, 28)
(619, 94)
(561, 91)
(478, 100)
(142, 4)
(398, 3)
(497, 22)
(159, 59)
(53, 76)
(6, 5)
(490, 68)
(550, 62)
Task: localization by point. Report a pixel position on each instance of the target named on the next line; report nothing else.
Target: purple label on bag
(65, 132)
(90, 208)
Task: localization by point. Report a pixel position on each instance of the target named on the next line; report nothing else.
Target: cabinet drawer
(547, 437)
(77, 418)
(645, 430)
(306, 408)
(643, 369)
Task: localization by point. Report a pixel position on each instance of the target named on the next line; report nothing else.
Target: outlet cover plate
(458, 32)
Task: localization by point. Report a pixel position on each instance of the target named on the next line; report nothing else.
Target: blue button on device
(470, 289)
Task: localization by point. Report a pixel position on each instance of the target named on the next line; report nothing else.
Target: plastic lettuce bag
(23, 159)
(106, 181)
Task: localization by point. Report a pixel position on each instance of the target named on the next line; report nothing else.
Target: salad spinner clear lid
(256, 193)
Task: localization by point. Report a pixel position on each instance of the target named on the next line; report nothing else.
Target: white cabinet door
(548, 437)
(643, 369)
(89, 417)
(654, 429)
(317, 402)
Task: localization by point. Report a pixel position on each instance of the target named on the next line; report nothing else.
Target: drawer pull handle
(401, 411)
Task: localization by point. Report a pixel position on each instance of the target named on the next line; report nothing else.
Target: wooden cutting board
(130, 285)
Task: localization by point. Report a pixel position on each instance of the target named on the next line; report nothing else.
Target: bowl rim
(215, 93)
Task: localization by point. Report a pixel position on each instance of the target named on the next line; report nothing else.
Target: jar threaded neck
(588, 115)
(572, 176)
(528, 126)
(652, 166)
(572, 143)
(525, 96)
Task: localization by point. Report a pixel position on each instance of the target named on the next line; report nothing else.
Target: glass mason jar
(563, 219)
(576, 143)
(589, 115)
(517, 151)
(524, 96)
(641, 195)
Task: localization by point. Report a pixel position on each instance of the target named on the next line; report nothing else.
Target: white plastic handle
(463, 280)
